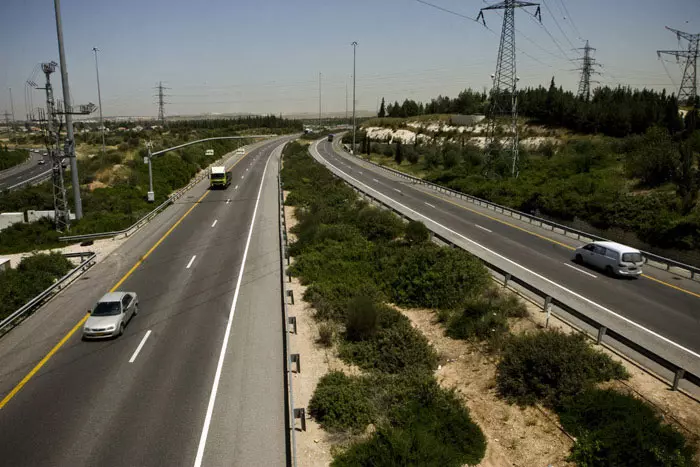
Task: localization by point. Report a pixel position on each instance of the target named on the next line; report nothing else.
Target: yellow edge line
(680, 289)
(55, 349)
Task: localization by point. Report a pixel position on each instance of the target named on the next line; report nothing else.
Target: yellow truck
(219, 177)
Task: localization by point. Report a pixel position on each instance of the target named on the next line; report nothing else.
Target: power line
(558, 25)
(447, 11)
(570, 18)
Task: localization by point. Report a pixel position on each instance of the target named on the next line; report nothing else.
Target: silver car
(111, 315)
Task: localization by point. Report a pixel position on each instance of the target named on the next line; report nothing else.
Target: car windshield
(632, 257)
(107, 309)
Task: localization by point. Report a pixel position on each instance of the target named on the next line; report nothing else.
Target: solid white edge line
(580, 270)
(214, 223)
(483, 228)
(224, 344)
(191, 261)
(429, 204)
(138, 349)
(587, 300)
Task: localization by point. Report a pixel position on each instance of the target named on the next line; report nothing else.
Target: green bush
(33, 275)
(417, 232)
(393, 349)
(362, 319)
(29, 237)
(430, 427)
(338, 403)
(11, 158)
(486, 317)
(617, 430)
(377, 224)
(550, 366)
(325, 334)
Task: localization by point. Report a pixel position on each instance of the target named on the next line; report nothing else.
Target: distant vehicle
(111, 315)
(42, 162)
(209, 152)
(45, 154)
(219, 177)
(330, 137)
(240, 152)
(613, 258)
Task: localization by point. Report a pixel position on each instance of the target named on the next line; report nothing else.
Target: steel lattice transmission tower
(587, 70)
(53, 147)
(688, 91)
(161, 102)
(504, 99)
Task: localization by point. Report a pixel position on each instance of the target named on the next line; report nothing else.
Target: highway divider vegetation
(32, 276)
(358, 262)
(114, 186)
(10, 158)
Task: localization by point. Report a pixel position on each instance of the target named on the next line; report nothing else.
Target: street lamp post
(151, 194)
(354, 124)
(99, 99)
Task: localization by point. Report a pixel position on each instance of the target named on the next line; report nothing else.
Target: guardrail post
(301, 414)
(295, 359)
(292, 321)
(506, 279)
(290, 294)
(548, 310)
(677, 378)
(601, 333)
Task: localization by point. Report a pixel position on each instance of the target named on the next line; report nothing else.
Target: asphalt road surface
(666, 304)
(13, 177)
(197, 378)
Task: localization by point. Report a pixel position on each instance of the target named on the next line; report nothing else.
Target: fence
(87, 260)
(291, 412)
(649, 258)
(680, 364)
(32, 181)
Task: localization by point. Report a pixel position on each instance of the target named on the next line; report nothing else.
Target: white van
(613, 258)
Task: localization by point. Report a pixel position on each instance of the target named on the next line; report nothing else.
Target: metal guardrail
(147, 218)
(538, 221)
(33, 180)
(680, 372)
(87, 260)
(290, 414)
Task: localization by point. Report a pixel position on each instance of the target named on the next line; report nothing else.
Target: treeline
(9, 158)
(237, 123)
(617, 111)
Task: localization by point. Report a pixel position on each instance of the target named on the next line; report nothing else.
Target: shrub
(549, 366)
(377, 224)
(417, 232)
(338, 403)
(411, 154)
(387, 150)
(431, 427)
(325, 334)
(617, 430)
(362, 319)
(486, 318)
(394, 349)
(28, 237)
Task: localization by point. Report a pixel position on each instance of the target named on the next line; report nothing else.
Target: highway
(13, 177)
(661, 302)
(197, 378)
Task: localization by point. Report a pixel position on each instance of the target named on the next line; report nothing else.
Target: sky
(265, 56)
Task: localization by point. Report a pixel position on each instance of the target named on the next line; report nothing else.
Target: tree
(687, 178)
(398, 157)
(382, 110)
(655, 161)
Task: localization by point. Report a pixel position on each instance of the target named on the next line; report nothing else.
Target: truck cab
(219, 177)
(330, 137)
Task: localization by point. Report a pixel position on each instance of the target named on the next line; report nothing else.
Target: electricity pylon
(688, 91)
(587, 70)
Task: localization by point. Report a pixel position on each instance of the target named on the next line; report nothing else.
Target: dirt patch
(95, 185)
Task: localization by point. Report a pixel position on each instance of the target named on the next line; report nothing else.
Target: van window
(632, 257)
(612, 254)
(598, 250)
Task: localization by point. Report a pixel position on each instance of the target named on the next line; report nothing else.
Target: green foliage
(325, 334)
(398, 154)
(362, 319)
(618, 430)
(377, 224)
(432, 427)
(339, 404)
(485, 318)
(29, 237)
(33, 275)
(655, 160)
(550, 366)
(387, 150)
(11, 158)
(416, 232)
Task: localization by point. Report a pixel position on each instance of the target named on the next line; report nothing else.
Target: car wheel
(136, 310)
(609, 271)
(121, 329)
(579, 259)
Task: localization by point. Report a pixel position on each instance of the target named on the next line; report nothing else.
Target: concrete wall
(4, 264)
(9, 218)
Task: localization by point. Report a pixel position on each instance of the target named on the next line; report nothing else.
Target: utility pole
(587, 69)
(688, 91)
(319, 100)
(346, 101)
(12, 109)
(7, 123)
(70, 139)
(354, 101)
(161, 102)
(99, 99)
(504, 97)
